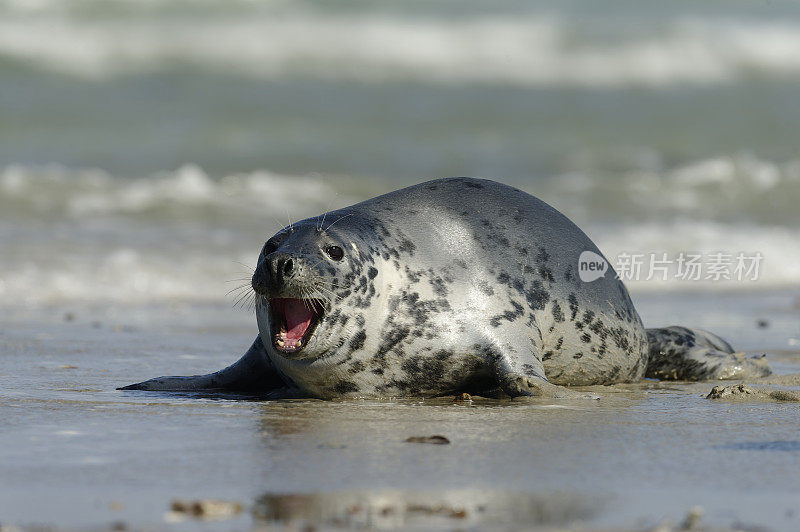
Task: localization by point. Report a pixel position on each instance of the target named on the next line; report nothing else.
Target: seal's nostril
(288, 266)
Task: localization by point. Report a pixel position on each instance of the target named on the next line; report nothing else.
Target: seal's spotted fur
(453, 285)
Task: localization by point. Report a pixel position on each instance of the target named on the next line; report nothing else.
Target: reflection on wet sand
(387, 509)
(284, 418)
(375, 442)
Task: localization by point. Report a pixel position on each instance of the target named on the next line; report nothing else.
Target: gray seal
(454, 285)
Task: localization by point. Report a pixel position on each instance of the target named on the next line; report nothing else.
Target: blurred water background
(147, 147)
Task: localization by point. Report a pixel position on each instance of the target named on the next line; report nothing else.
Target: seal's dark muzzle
(281, 267)
(273, 272)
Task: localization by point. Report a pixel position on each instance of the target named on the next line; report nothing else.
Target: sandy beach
(77, 454)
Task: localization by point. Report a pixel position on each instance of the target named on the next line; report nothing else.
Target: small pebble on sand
(437, 440)
(463, 398)
(205, 509)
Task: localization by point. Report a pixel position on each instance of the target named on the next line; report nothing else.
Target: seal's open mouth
(293, 322)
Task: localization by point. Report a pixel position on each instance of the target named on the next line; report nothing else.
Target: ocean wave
(528, 50)
(86, 235)
(54, 190)
(123, 275)
(60, 265)
(739, 188)
(709, 241)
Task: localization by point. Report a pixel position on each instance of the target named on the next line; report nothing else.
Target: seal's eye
(334, 252)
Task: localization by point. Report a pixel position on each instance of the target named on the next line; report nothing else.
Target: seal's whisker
(315, 264)
(327, 297)
(321, 296)
(315, 283)
(240, 287)
(289, 216)
(304, 298)
(249, 268)
(241, 298)
(243, 302)
(329, 294)
(317, 294)
(251, 303)
(326, 289)
(308, 299)
(302, 289)
(320, 280)
(327, 209)
(329, 287)
(281, 227)
(339, 219)
(238, 301)
(240, 293)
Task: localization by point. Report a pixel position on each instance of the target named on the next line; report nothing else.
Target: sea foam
(532, 49)
(84, 235)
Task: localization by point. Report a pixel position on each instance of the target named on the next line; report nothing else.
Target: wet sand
(77, 454)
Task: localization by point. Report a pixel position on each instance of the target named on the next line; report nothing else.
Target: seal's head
(301, 274)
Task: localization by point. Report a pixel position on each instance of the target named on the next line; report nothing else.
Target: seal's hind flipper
(251, 374)
(680, 353)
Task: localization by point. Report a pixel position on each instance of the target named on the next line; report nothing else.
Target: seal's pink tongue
(298, 318)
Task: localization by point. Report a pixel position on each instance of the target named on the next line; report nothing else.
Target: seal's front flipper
(524, 386)
(251, 374)
(679, 353)
(521, 374)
